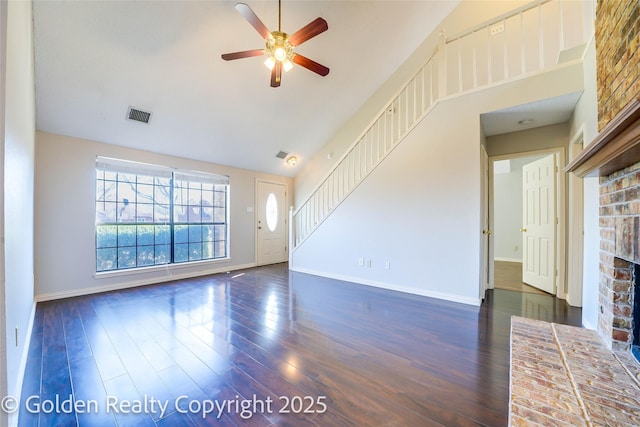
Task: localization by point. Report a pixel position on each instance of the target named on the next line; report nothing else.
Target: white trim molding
(136, 283)
(507, 259)
(392, 287)
(13, 417)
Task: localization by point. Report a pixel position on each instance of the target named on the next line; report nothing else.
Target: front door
(271, 223)
(539, 223)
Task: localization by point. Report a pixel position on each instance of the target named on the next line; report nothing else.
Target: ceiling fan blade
(310, 30)
(276, 74)
(309, 64)
(253, 19)
(243, 54)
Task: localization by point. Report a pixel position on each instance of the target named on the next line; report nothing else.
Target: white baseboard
(588, 325)
(507, 259)
(391, 287)
(573, 303)
(13, 417)
(137, 283)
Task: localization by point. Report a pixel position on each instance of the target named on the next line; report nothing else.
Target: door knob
(487, 232)
(523, 230)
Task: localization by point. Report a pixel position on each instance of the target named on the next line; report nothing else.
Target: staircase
(516, 45)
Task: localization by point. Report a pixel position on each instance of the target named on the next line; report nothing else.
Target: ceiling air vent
(282, 155)
(138, 115)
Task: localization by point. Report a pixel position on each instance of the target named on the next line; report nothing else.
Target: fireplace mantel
(616, 146)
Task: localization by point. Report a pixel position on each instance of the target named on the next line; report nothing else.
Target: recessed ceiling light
(525, 121)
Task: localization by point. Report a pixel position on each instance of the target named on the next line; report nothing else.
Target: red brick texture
(617, 39)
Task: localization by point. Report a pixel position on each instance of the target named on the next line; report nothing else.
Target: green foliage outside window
(145, 220)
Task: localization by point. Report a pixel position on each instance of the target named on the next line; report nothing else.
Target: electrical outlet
(361, 262)
(368, 263)
(497, 28)
(515, 248)
(387, 265)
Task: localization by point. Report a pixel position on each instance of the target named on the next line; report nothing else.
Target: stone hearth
(564, 376)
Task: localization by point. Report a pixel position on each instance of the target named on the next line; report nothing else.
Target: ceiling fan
(279, 45)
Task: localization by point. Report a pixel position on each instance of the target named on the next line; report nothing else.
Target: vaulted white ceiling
(94, 59)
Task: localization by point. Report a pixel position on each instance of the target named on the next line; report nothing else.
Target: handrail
(435, 80)
(496, 20)
(389, 127)
(367, 128)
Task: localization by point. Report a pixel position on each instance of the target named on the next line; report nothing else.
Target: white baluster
(541, 39)
(523, 56)
(505, 56)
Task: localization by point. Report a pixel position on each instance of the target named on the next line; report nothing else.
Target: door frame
(561, 204)
(285, 212)
(486, 249)
(575, 212)
(4, 387)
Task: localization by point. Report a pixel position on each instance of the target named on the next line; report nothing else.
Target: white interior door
(271, 223)
(539, 223)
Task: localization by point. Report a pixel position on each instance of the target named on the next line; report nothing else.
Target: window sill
(155, 268)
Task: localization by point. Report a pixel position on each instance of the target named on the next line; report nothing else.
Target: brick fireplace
(619, 252)
(615, 157)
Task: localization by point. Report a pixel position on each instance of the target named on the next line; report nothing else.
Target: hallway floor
(508, 276)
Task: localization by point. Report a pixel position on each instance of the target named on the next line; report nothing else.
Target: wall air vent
(282, 155)
(138, 115)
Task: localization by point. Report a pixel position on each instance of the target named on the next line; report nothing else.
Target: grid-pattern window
(200, 218)
(150, 215)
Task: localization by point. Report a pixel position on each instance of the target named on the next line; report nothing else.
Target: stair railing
(493, 52)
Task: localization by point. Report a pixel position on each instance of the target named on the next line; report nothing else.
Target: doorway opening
(527, 206)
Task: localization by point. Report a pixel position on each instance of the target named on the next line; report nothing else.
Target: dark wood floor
(369, 356)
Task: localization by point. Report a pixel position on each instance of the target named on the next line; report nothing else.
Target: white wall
(420, 209)
(585, 122)
(411, 201)
(507, 210)
(65, 198)
(18, 179)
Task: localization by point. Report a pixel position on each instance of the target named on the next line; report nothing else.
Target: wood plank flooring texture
(247, 347)
(508, 276)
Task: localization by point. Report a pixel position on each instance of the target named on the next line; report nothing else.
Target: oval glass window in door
(272, 212)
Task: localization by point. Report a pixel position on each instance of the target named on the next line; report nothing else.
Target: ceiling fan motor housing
(278, 46)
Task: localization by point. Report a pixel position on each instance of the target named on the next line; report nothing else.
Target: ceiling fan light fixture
(280, 53)
(279, 45)
(270, 62)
